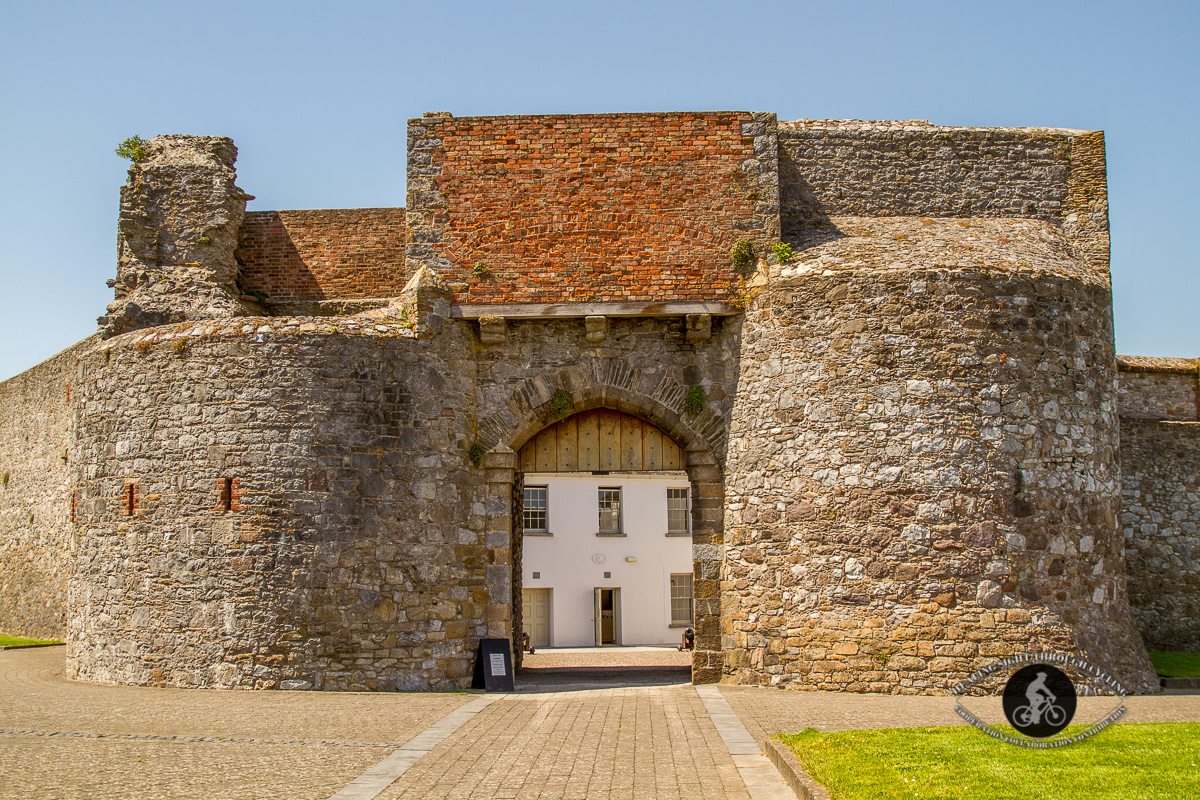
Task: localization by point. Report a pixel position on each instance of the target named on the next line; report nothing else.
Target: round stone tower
(923, 461)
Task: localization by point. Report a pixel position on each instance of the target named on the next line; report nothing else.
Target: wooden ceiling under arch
(597, 441)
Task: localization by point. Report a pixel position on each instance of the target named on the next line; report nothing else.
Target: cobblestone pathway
(61, 740)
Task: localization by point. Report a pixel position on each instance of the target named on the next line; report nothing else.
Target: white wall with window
(589, 534)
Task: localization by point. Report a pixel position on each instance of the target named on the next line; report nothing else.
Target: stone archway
(527, 417)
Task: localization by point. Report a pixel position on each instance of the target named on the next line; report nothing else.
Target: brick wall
(323, 254)
(635, 207)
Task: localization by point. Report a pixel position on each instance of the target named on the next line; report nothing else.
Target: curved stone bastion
(923, 461)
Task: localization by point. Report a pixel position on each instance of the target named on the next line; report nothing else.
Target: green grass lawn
(1176, 665)
(1130, 762)
(13, 641)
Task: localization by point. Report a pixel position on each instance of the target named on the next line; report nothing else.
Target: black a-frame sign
(493, 666)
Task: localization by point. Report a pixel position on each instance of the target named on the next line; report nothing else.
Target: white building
(607, 558)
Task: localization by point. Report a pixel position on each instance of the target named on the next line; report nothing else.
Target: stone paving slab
(33, 694)
(305, 748)
(633, 742)
(766, 712)
(80, 769)
(561, 657)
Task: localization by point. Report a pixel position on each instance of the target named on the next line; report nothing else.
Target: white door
(535, 616)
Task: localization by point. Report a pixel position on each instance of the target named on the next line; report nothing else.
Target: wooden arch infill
(601, 440)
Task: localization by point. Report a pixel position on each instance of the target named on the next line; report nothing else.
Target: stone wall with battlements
(606, 207)
(345, 253)
(37, 481)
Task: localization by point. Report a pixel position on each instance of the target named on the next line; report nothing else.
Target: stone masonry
(908, 460)
(1160, 495)
(180, 217)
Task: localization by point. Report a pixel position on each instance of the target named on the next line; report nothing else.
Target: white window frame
(601, 501)
(687, 511)
(545, 512)
(678, 583)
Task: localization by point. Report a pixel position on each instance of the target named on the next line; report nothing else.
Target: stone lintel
(578, 310)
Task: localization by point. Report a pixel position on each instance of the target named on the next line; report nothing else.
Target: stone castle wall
(327, 254)
(1160, 493)
(360, 548)
(1159, 388)
(914, 169)
(923, 462)
(343, 553)
(905, 466)
(180, 217)
(37, 468)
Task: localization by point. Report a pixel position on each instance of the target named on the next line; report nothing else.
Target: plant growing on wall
(783, 252)
(693, 403)
(6, 480)
(742, 257)
(476, 454)
(133, 148)
(561, 404)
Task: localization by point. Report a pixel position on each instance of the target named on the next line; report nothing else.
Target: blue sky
(316, 96)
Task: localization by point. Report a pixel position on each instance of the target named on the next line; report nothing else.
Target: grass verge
(13, 641)
(1176, 665)
(1149, 761)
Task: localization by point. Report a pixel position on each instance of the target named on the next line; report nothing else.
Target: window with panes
(677, 511)
(681, 599)
(610, 510)
(536, 511)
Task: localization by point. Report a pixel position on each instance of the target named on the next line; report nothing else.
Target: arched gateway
(609, 535)
(602, 540)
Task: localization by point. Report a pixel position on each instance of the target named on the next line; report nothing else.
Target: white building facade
(607, 558)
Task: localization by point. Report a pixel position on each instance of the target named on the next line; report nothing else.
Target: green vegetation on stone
(133, 148)
(17, 641)
(1126, 761)
(1176, 665)
(561, 404)
(742, 257)
(693, 404)
(783, 252)
(476, 454)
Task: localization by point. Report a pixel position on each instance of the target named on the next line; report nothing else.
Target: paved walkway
(60, 739)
